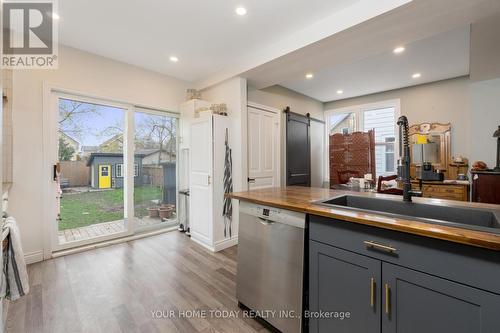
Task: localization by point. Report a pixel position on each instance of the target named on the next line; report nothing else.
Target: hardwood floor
(117, 289)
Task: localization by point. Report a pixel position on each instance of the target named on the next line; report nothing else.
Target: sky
(98, 124)
(92, 128)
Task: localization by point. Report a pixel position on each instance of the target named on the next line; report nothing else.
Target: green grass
(87, 208)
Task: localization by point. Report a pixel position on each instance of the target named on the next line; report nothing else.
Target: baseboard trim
(224, 244)
(32, 257)
(201, 243)
(218, 246)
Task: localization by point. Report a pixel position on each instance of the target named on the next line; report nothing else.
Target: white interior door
(201, 176)
(263, 148)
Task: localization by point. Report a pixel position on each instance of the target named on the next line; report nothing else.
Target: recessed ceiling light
(309, 76)
(416, 75)
(399, 49)
(340, 91)
(174, 59)
(241, 11)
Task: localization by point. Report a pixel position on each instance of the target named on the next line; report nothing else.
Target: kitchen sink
(469, 218)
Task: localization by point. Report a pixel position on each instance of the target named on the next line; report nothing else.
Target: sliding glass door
(115, 173)
(155, 170)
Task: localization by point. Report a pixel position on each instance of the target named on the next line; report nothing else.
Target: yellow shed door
(104, 176)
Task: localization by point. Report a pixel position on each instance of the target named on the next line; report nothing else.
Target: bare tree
(161, 132)
(72, 116)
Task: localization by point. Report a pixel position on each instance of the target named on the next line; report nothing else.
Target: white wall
(484, 119)
(485, 48)
(473, 109)
(280, 97)
(85, 73)
(233, 92)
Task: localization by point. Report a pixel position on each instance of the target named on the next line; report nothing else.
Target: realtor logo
(29, 34)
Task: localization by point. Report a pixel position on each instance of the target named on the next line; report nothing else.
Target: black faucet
(404, 160)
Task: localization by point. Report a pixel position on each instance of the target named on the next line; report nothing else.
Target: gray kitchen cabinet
(343, 282)
(421, 284)
(421, 302)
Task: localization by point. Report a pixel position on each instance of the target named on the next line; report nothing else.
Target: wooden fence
(153, 175)
(77, 173)
(164, 177)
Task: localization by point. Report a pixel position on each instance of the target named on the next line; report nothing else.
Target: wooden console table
(443, 190)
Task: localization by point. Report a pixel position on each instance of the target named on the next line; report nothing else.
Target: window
(383, 122)
(380, 117)
(119, 170)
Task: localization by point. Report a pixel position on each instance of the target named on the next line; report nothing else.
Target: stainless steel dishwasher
(271, 264)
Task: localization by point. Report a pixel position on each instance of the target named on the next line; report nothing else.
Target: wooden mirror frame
(436, 129)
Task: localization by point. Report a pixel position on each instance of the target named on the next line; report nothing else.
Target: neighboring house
(72, 143)
(155, 156)
(112, 145)
(87, 150)
(107, 170)
(341, 123)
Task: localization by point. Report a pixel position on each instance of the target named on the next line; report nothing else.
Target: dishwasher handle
(265, 221)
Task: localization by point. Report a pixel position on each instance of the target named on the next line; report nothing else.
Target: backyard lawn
(87, 208)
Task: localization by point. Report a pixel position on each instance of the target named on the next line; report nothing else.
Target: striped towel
(15, 282)
(227, 210)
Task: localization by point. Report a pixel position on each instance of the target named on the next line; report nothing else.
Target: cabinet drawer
(449, 192)
(443, 189)
(461, 263)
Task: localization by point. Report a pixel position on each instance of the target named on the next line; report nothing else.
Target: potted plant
(153, 212)
(165, 212)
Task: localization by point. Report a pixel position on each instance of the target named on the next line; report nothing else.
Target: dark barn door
(298, 149)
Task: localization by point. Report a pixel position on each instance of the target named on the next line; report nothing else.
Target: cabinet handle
(265, 221)
(372, 292)
(387, 299)
(380, 246)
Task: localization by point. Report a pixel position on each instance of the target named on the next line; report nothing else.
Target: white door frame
(51, 94)
(277, 115)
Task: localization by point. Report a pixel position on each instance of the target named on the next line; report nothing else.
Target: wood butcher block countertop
(301, 199)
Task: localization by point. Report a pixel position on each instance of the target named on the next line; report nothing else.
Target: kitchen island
(391, 273)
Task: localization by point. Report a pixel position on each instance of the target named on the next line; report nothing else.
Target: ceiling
(443, 56)
(207, 36)
(359, 60)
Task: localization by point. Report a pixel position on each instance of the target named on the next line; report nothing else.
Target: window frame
(52, 95)
(120, 167)
(358, 111)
